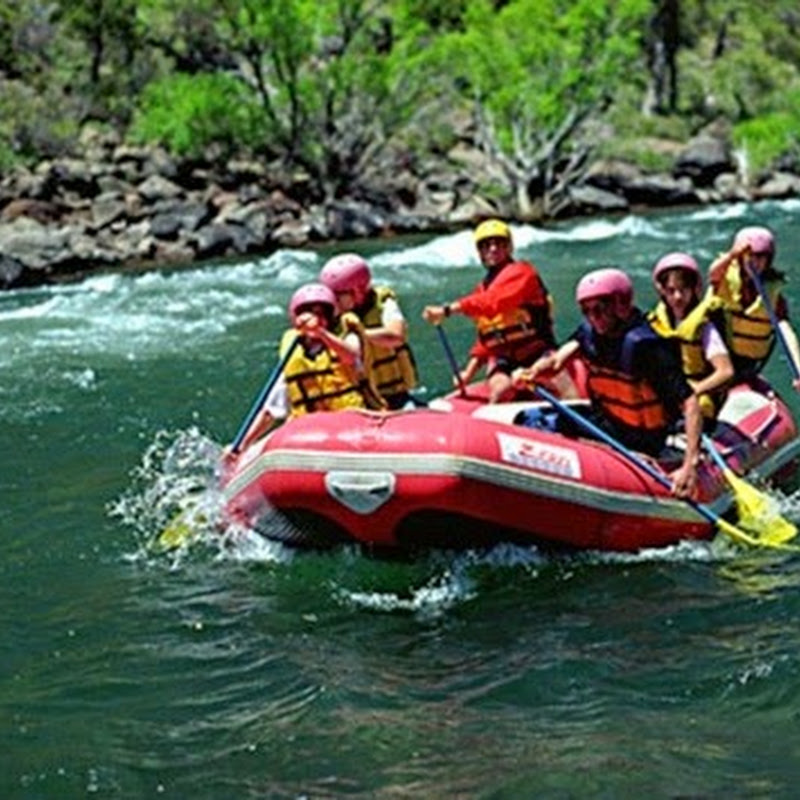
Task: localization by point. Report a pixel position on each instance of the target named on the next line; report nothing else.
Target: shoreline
(120, 208)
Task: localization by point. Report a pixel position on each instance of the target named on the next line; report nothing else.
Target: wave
(145, 315)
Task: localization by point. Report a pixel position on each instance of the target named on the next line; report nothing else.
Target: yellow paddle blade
(743, 537)
(175, 535)
(758, 512)
(185, 526)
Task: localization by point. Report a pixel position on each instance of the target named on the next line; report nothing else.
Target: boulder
(703, 160)
(661, 190)
(590, 199)
(157, 187)
(778, 186)
(11, 272)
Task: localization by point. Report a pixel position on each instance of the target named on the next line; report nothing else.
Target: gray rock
(661, 190)
(590, 199)
(214, 240)
(703, 160)
(156, 187)
(779, 186)
(107, 208)
(175, 218)
(11, 272)
(33, 245)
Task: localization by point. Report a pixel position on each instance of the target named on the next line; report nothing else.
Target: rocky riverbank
(119, 206)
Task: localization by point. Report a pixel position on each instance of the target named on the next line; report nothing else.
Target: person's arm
(721, 375)
(549, 363)
(473, 365)
(274, 409)
(716, 353)
(662, 367)
(684, 479)
(261, 425)
(347, 348)
(719, 266)
(790, 337)
(393, 330)
(436, 315)
(515, 285)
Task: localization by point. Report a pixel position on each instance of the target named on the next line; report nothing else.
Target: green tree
(534, 71)
(741, 58)
(333, 81)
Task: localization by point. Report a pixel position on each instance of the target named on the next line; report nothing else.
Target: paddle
(756, 510)
(774, 321)
(726, 527)
(452, 359)
(262, 396)
(180, 528)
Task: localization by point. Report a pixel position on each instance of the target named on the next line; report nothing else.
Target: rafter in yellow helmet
(490, 228)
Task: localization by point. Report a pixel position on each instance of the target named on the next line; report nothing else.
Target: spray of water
(177, 478)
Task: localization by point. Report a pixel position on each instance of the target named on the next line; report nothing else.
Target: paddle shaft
(752, 504)
(262, 397)
(620, 448)
(452, 359)
(711, 449)
(774, 321)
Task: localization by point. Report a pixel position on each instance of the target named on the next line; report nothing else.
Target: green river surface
(251, 671)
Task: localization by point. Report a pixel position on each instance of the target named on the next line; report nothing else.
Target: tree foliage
(535, 70)
(329, 81)
(324, 88)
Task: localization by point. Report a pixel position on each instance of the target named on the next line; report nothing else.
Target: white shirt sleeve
(354, 341)
(277, 402)
(713, 344)
(391, 312)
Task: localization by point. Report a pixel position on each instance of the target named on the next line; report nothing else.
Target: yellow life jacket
(749, 329)
(319, 381)
(349, 322)
(392, 370)
(689, 332)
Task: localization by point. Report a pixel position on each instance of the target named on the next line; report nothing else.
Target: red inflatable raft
(462, 474)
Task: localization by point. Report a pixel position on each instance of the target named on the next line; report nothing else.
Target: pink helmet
(311, 293)
(602, 283)
(346, 272)
(677, 261)
(761, 240)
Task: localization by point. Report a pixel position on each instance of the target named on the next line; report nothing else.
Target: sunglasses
(492, 241)
(596, 309)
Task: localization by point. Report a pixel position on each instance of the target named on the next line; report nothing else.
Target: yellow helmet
(490, 228)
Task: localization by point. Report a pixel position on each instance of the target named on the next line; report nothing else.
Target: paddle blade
(184, 527)
(758, 512)
(175, 535)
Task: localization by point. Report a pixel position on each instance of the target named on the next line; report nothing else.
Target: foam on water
(153, 314)
(458, 250)
(440, 594)
(149, 314)
(176, 479)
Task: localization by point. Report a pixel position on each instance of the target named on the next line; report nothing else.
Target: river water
(255, 672)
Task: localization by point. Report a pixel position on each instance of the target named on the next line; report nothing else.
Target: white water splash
(176, 480)
(453, 584)
(243, 545)
(685, 551)
(441, 593)
(84, 379)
